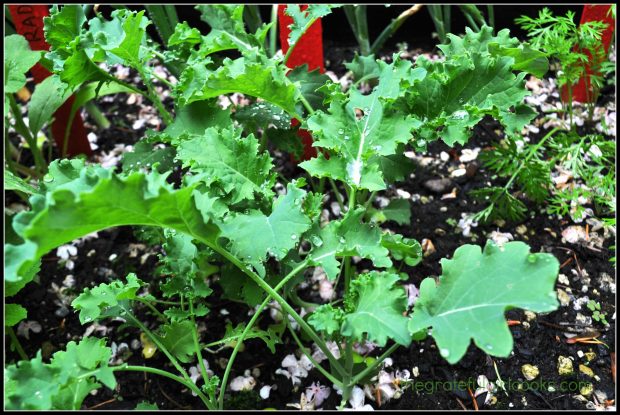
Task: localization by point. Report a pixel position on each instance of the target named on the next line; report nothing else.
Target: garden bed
(437, 191)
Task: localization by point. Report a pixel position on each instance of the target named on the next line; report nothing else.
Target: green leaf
(526, 58)
(234, 162)
(177, 338)
(261, 115)
(303, 18)
(34, 384)
(13, 182)
(345, 238)
(18, 59)
(232, 335)
(146, 406)
(327, 319)
(196, 117)
(364, 67)
(63, 25)
(144, 155)
(13, 314)
(120, 40)
(93, 302)
(475, 290)
(255, 76)
(354, 142)
(176, 314)
(94, 200)
(228, 30)
(399, 211)
(309, 82)
(403, 249)
(47, 97)
(469, 84)
(377, 305)
(254, 235)
(64, 382)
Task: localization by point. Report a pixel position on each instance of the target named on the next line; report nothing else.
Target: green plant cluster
(225, 224)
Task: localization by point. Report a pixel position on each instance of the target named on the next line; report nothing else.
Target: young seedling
(224, 218)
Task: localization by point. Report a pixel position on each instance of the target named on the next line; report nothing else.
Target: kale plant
(226, 222)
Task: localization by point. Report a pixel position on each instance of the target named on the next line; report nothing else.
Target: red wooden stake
(28, 20)
(309, 50)
(592, 12)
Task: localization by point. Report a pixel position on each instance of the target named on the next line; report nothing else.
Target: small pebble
(565, 365)
(458, 173)
(586, 370)
(530, 372)
(438, 186)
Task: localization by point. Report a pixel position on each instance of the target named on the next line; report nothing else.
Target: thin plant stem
(21, 128)
(201, 364)
(16, 343)
(248, 327)
(355, 379)
(283, 303)
(337, 193)
(152, 308)
(273, 31)
(159, 344)
(190, 385)
(309, 356)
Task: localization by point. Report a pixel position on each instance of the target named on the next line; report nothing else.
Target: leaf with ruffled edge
(234, 162)
(377, 305)
(63, 383)
(475, 79)
(345, 238)
(475, 290)
(255, 75)
(97, 199)
(254, 235)
(94, 301)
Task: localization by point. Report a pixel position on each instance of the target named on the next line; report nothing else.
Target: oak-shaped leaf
(475, 290)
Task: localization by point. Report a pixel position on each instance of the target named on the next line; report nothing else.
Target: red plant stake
(592, 12)
(308, 50)
(28, 20)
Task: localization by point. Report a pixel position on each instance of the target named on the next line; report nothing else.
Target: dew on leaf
(444, 352)
(48, 178)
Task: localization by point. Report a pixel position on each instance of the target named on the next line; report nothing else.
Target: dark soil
(539, 345)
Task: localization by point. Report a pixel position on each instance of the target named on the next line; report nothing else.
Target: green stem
(370, 199)
(394, 25)
(355, 379)
(16, 343)
(99, 117)
(161, 347)
(283, 303)
(188, 384)
(301, 303)
(152, 95)
(362, 29)
(273, 31)
(337, 193)
(152, 308)
(306, 104)
(201, 364)
(309, 356)
(21, 128)
(249, 327)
